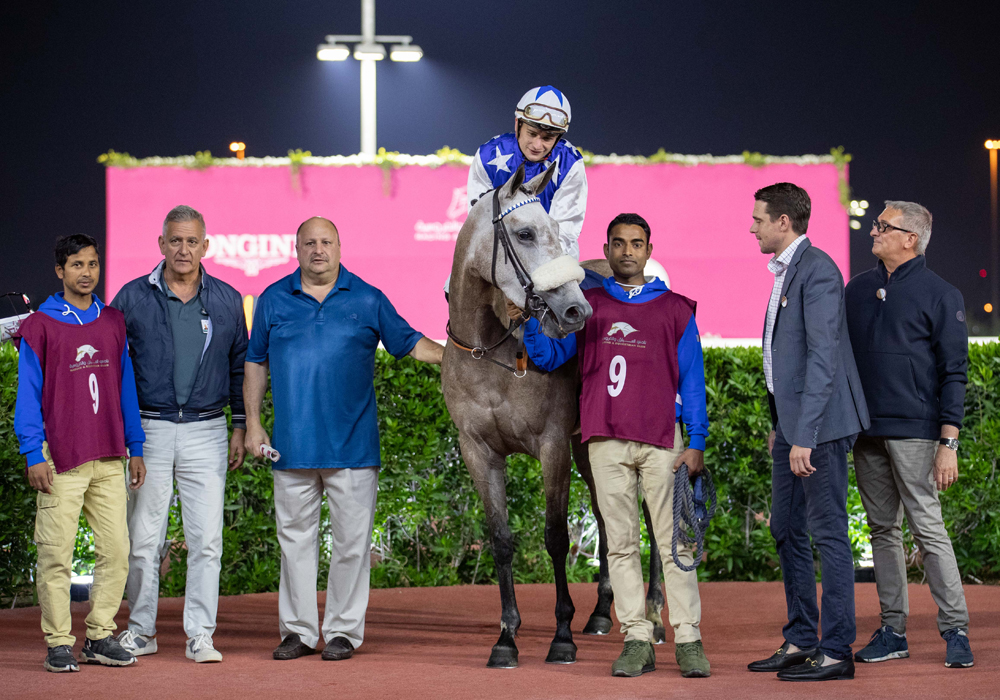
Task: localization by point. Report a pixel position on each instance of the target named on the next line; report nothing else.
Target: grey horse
(499, 413)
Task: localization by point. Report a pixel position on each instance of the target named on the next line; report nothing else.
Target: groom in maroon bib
(640, 363)
(76, 418)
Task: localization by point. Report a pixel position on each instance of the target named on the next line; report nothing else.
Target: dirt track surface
(434, 642)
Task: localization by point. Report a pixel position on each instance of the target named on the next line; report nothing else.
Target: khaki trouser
(620, 467)
(896, 477)
(98, 487)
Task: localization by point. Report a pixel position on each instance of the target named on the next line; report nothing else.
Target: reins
(533, 302)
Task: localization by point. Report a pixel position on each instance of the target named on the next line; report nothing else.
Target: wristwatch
(950, 443)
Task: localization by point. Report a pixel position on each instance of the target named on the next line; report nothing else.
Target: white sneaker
(199, 648)
(137, 644)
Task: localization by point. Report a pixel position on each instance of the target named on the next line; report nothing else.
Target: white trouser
(298, 495)
(196, 455)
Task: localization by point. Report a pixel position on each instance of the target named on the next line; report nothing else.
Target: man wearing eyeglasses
(910, 343)
(538, 141)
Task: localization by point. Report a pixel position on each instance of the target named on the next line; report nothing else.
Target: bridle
(532, 301)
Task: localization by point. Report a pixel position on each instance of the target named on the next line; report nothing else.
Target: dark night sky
(910, 89)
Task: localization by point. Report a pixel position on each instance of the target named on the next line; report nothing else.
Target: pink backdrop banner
(398, 228)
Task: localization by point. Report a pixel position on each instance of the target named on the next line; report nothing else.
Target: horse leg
(600, 619)
(488, 471)
(654, 595)
(555, 459)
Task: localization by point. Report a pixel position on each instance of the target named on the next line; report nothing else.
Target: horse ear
(538, 183)
(514, 183)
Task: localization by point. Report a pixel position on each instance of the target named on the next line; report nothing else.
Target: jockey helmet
(545, 106)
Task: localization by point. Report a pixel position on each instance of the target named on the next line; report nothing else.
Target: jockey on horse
(538, 142)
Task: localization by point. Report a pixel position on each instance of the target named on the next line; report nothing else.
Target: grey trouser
(897, 476)
(195, 454)
(298, 496)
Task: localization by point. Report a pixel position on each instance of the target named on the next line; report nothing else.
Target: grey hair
(917, 219)
(181, 213)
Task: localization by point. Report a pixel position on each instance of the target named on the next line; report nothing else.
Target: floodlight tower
(368, 48)
(993, 146)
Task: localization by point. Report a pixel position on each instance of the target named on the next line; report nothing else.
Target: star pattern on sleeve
(500, 161)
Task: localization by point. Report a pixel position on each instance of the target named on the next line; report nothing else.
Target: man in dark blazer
(817, 410)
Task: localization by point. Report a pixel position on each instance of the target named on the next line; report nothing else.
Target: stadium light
(332, 52)
(374, 52)
(368, 48)
(406, 53)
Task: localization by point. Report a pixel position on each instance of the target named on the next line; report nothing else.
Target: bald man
(316, 331)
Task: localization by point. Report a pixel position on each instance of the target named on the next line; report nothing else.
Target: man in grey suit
(817, 410)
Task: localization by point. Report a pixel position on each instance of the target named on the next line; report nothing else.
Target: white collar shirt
(778, 265)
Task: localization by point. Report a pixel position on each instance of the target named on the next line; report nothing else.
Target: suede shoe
(959, 654)
(636, 659)
(814, 670)
(780, 659)
(107, 652)
(292, 647)
(338, 649)
(884, 645)
(692, 660)
(60, 659)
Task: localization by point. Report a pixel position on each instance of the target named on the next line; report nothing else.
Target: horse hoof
(659, 635)
(598, 625)
(561, 653)
(502, 657)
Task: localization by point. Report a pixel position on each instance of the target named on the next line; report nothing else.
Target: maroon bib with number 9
(81, 385)
(628, 364)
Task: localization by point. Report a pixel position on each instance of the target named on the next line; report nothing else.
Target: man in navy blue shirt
(316, 331)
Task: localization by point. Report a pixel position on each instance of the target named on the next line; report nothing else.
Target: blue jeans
(815, 505)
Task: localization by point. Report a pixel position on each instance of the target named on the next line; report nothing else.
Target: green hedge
(429, 527)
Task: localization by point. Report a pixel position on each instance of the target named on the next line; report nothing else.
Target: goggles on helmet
(536, 111)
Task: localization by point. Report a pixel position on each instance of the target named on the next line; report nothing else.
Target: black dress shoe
(781, 659)
(292, 647)
(338, 649)
(814, 670)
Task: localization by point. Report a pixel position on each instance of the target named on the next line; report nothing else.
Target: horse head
(533, 238)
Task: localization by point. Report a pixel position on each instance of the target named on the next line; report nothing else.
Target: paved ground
(434, 642)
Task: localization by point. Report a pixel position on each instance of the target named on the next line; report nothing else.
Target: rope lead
(692, 513)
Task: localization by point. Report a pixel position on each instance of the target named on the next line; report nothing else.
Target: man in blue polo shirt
(317, 330)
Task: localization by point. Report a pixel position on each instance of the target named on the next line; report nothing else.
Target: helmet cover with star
(545, 106)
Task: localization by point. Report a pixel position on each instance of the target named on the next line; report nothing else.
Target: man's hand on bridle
(514, 312)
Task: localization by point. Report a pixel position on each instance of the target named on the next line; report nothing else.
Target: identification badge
(204, 326)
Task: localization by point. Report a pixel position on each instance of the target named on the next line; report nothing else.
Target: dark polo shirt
(191, 330)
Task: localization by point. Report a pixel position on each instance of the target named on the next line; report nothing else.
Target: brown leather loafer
(292, 647)
(338, 649)
(781, 659)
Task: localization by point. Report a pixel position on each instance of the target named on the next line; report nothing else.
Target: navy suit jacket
(817, 391)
